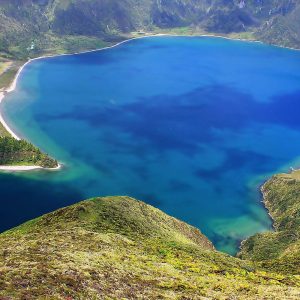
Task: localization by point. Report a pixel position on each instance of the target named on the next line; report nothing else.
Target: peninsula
(17, 154)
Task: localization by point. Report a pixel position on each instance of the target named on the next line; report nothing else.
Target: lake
(191, 125)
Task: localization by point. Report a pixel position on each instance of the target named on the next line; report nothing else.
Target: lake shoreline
(3, 122)
(13, 85)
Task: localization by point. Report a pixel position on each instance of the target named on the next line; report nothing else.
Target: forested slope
(36, 26)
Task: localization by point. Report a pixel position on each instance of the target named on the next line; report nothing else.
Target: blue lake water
(192, 126)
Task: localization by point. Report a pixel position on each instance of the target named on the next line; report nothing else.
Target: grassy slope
(3, 131)
(7, 74)
(122, 248)
(279, 250)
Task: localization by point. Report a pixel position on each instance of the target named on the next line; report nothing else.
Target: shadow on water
(31, 198)
(219, 107)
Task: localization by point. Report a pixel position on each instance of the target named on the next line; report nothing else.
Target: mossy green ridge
(279, 250)
(121, 248)
(15, 152)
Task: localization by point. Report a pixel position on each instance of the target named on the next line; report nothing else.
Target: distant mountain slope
(33, 26)
(120, 248)
(283, 29)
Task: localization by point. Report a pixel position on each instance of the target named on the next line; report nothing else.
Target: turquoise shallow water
(190, 125)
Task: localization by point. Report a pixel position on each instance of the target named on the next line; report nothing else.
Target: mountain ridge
(121, 248)
(33, 27)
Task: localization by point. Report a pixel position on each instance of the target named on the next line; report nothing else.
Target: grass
(279, 250)
(195, 31)
(8, 73)
(120, 248)
(293, 175)
(3, 131)
(52, 44)
(243, 36)
(4, 65)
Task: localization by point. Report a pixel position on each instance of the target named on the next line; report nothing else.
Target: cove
(191, 125)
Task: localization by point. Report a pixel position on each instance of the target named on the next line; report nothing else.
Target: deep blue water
(190, 125)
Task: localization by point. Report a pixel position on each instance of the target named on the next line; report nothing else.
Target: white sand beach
(2, 121)
(19, 168)
(27, 168)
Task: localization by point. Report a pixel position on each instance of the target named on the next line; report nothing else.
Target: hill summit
(121, 248)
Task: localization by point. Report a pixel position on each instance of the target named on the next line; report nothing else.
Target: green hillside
(32, 27)
(22, 153)
(120, 248)
(279, 250)
(14, 152)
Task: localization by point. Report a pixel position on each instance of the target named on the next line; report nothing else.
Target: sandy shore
(19, 168)
(27, 168)
(2, 121)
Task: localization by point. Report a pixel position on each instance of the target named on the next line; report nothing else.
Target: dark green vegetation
(279, 250)
(120, 248)
(14, 152)
(22, 153)
(33, 27)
